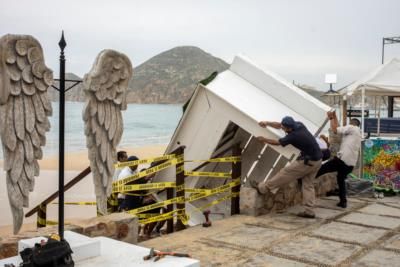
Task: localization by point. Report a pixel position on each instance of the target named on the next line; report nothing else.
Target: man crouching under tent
(306, 165)
(347, 155)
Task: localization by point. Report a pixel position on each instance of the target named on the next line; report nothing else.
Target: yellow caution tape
(157, 205)
(189, 199)
(180, 187)
(112, 201)
(147, 172)
(143, 161)
(139, 195)
(180, 169)
(214, 191)
(49, 222)
(217, 201)
(161, 217)
(209, 174)
(41, 221)
(81, 203)
(146, 215)
(226, 159)
(137, 187)
(197, 190)
(184, 218)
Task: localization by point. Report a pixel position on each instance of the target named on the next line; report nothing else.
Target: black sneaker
(306, 215)
(342, 204)
(254, 184)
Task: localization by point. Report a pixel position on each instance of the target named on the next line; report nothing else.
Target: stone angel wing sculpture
(105, 89)
(24, 111)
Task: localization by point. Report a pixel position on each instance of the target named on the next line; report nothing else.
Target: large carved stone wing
(24, 112)
(105, 88)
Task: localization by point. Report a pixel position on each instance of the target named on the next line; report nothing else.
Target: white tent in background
(383, 81)
(227, 111)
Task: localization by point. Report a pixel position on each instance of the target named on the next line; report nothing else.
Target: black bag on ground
(52, 254)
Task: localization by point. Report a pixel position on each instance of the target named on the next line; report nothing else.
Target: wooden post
(41, 216)
(236, 173)
(180, 185)
(170, 207)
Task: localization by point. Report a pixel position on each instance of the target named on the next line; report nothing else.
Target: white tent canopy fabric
(243, 95)
(383, 81)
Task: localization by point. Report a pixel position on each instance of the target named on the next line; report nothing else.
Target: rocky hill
(171, 76)
(75, 94)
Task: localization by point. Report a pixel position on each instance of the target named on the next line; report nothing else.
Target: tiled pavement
(367, 233)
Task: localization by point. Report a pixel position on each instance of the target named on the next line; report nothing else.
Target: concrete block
(393, 242)
(371, 220)
(111, 253)
(9, 245)
(331, 203)
(83, 247)
(381, 210)
(250, 236)
(378, 258)
(261, 260)
(251, 202)
(316, 250)
(284, 222)
(350, 233)
(323, 213)
(211, 254)
(115, 254)
(119, 226)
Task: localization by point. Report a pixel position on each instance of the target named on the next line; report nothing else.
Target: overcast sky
(299, 39)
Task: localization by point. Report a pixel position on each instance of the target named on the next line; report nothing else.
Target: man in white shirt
(122, 156)
(128, 202)
(347, 156)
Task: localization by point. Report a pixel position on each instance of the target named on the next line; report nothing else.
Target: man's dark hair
(288, 122)
(120, 154)
(356, 122)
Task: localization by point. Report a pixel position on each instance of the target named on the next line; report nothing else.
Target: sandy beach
(47, 183)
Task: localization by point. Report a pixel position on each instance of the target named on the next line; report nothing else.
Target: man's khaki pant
(294, 171)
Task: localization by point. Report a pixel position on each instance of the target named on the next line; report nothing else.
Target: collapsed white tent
(383, 81)
(227, 111)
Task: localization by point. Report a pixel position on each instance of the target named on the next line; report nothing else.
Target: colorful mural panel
(381, 160)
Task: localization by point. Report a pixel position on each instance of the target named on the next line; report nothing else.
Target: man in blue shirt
(306, 165)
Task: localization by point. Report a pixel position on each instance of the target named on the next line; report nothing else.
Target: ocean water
(144, 124)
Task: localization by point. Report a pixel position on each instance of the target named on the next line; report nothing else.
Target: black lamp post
(62, 44)
(62, 90)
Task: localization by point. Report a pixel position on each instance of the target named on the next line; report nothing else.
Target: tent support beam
(390, 106)
(362, 111)
(344, 111)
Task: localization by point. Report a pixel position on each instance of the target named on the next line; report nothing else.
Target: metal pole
(390, 106)
(344, 111)
(383, 50)
(362, 111)
(62, 44)
(390, 98)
